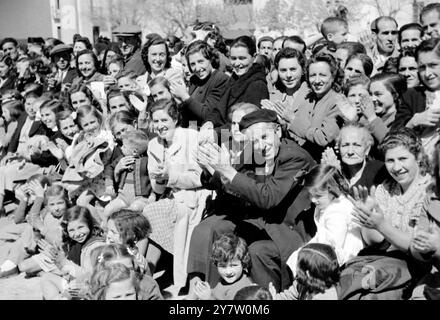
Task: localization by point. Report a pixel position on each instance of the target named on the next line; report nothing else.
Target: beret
(59, 48)
(262, 115)
(127, 30)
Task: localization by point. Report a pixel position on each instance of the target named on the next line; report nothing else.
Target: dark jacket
(135, 64)
(250, 87)
(46, 158)
(142, 185)
(413, 101)
(37, 128)
(9, 84)
(374, 174)
(205, 96)
(277, 203)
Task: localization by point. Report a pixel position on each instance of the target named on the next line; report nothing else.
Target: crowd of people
(246, 169)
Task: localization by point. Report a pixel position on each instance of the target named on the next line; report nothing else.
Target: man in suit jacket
(261, 200)
(61, 56)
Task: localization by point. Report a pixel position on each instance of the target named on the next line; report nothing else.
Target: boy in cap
(62, 79)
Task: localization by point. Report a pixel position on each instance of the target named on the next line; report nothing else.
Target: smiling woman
(88, 68)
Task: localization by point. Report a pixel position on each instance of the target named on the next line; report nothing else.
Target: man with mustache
(385, 32)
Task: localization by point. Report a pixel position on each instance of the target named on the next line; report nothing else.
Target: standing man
(129, 39)
(385, 32)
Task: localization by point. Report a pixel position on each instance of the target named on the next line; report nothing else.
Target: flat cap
(60, 48)
(262, 115)
(127, 30)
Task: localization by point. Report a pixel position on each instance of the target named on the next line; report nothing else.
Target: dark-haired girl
(207, 85)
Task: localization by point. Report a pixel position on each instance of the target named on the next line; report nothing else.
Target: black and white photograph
(229, 151)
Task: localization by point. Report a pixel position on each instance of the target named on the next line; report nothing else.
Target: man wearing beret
(62, 79)
(261, 199)
(129, 39)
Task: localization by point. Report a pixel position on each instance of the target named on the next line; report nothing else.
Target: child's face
(128, 149)
(340, 35)
(120, 128)
(56, 206)
(48, 118)
(90, 124)
(160, 92)
(79, 99)
(6, 114)
(121, 290)
(382, 97)
(113, 69)
(29, 107)
(68, 128)
(117, 103)
(321, 199)
(78, 231)
(113, 235)
(230, 271)
(125, 83)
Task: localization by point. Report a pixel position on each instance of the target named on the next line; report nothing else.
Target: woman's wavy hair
(245, 42)
(367, 137)
(170, 107)
(367, 62)
(408, 139)
(207, 52)
(131, 225)
(336, 71)
(323, 178)
(89, 94)
(290, 53)
(253, 292)
(15, 107)
(101, 279)
(394, 83)
(146, 48)
(78, 213)
(355, 81)
(230, 247)
(94, 57)
(317, 269)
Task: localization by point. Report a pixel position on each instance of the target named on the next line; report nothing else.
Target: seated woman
(389, 217)
(207, 85)
(392, 210)
(88, 69)
(290, 65)
(175, 177)
(315, 125)
(354, 143)
(247, 83)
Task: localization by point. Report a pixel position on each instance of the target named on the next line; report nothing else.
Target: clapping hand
(330, 158)
(179, 91)
(214, 156)
(426, 242)
(367, 211)
(276, 106)
(367, 106)
(161, 174)
(202, 290)
(35, 188)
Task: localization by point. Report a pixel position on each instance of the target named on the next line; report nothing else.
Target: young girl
(43, 231)
(230, 255)
(160, 89)
(105, 256)
(317, 275)
(87, 156)
(11, 112)
(115, 282)
(80, 236)
(131, 175)
(131, 229)
(333, 214)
